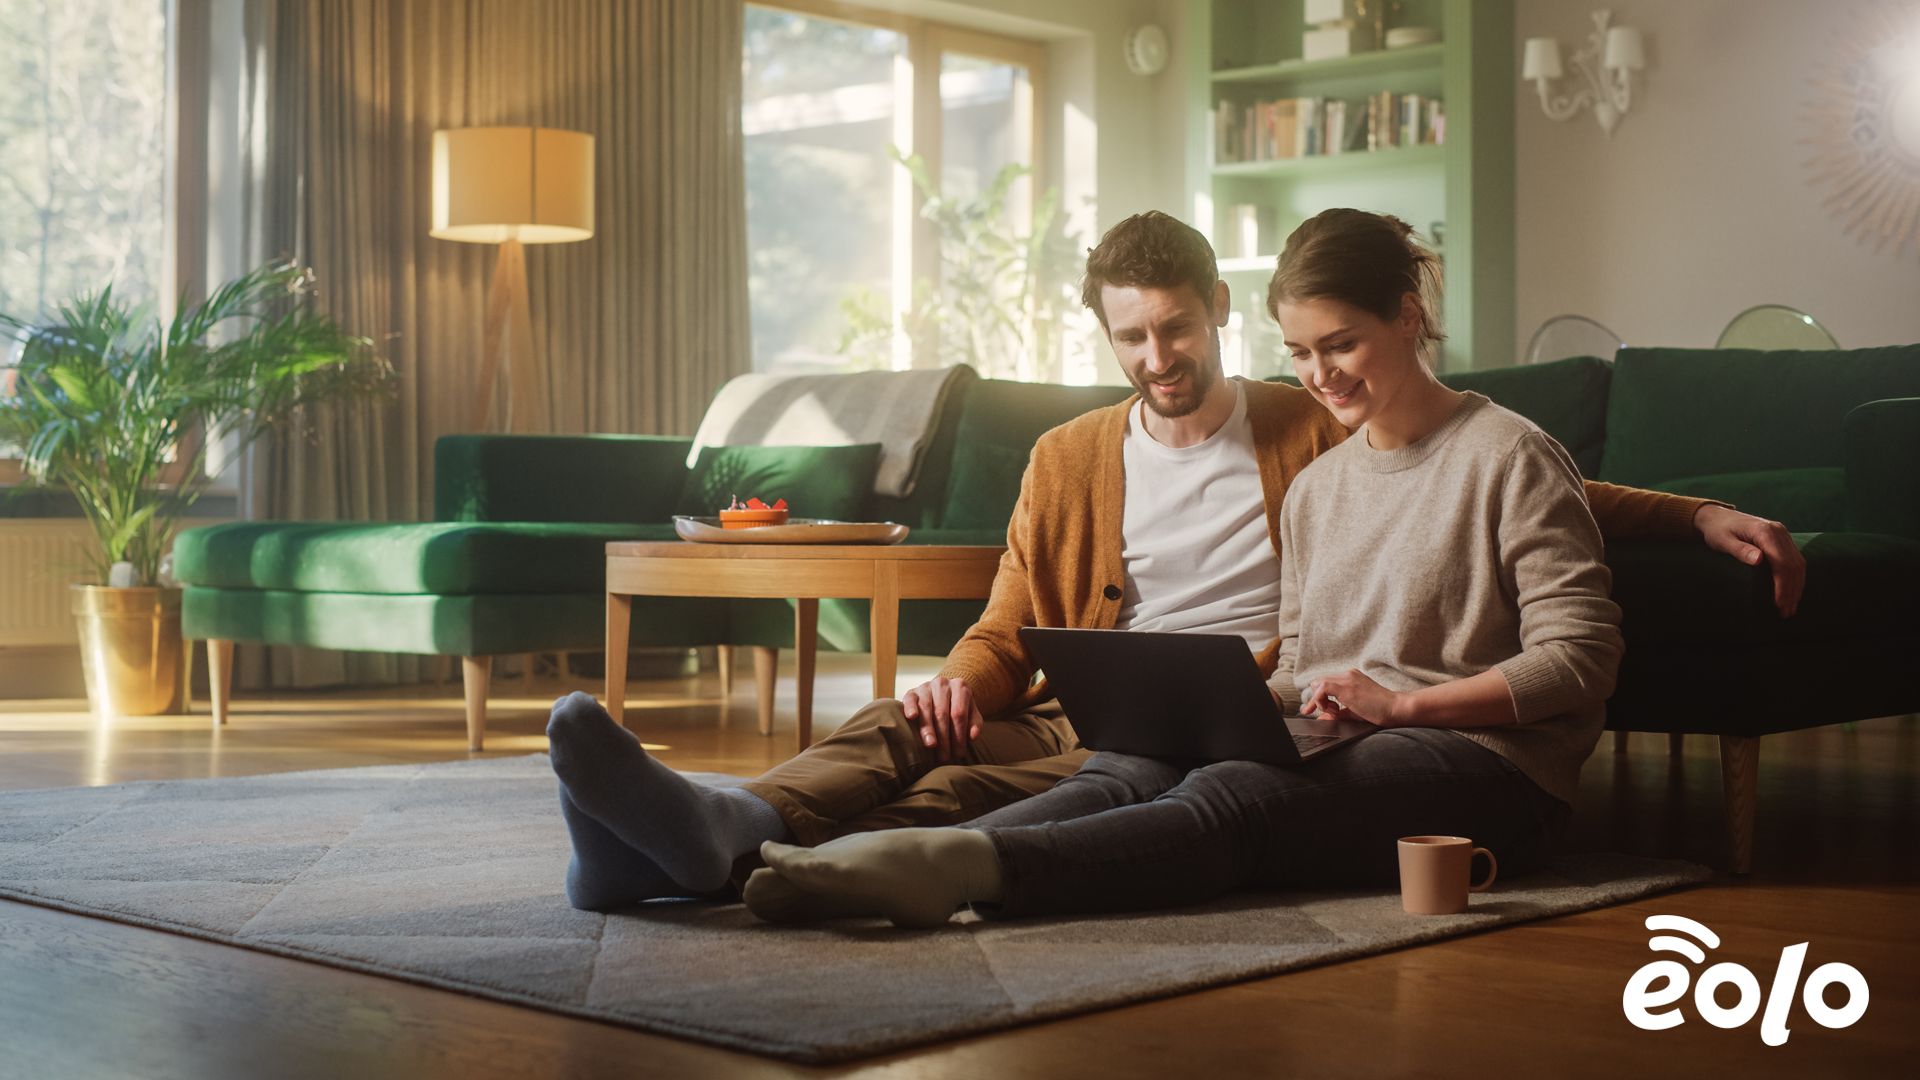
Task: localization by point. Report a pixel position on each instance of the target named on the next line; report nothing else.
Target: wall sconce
(1609, 58)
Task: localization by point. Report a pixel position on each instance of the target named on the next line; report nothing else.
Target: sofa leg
(1740, 782)
(474, 673)
(766, 665)
(1676, 744)
(1619, 742)
(726, 672)
(220, 678)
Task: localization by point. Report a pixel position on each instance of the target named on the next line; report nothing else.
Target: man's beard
(1204, 377)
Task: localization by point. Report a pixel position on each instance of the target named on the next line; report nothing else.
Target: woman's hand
(1351, 696)
(949, 719)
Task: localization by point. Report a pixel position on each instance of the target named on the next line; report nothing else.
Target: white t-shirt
(1194, 541)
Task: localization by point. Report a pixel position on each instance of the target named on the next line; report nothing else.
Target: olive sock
(915, 877)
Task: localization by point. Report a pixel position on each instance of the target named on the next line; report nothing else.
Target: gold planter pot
(130, 649)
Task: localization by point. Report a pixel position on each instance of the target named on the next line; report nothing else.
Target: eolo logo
(1639, 998)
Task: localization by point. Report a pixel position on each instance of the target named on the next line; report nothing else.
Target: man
(1160, 515)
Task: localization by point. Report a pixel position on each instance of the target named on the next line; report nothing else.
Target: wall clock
(1146, 50)
(1866, 125)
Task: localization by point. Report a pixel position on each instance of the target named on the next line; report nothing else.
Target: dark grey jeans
(1130, 833)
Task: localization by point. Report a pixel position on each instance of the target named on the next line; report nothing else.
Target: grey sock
(915, 877)
(604, 872)
(691, 831)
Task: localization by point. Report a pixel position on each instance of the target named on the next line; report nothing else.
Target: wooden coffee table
(801, 572)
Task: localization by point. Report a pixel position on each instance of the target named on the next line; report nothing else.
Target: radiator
(39, 558)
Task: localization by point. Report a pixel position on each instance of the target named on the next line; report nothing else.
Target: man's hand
(1751, 539)
(949, 720)
(1350, 696)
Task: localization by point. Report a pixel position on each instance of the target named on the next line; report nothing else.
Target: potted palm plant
(122, 411)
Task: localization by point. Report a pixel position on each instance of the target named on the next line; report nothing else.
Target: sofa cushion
(1805, 500)
(447, 558)
(1684, 594)
(1567, 398)
(834, 482)
(1676, 413)
(605, 478)
(999, 423)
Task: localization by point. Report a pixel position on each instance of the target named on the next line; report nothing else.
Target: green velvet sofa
(514, 560)
(1826, 442)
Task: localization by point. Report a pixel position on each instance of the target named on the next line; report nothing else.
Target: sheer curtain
(639, 325)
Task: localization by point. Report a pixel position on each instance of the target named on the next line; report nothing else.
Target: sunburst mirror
(1866, 124)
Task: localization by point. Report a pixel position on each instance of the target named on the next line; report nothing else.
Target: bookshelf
(1248, 51)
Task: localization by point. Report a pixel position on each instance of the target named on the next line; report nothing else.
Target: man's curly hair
(1149, 251)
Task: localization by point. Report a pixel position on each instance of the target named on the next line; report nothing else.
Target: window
(841, 260)
(82, 130)
(818, 113)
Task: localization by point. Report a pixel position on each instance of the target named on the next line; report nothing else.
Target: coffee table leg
(619, 623)
(766, 668)
(884, 626)
(806, 639)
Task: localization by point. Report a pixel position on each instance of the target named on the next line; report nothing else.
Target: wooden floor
(1834, 866)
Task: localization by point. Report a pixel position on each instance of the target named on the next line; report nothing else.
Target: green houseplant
(123, 411)
(1004, 303)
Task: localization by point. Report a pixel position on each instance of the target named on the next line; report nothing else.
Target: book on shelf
(1395, 120)
(1314, 127)
(1279, 129)
(1411, 110)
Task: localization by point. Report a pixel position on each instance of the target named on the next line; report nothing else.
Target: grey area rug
(451, 875)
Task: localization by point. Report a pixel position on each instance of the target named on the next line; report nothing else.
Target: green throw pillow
(834, 482)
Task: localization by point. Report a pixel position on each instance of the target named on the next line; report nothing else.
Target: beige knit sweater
(1470, 549)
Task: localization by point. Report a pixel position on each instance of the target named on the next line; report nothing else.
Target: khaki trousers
(874, 773)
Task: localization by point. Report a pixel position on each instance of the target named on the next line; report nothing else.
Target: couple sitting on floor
(1438, 574)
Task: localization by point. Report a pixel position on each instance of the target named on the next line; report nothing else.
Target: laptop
(1185, 696)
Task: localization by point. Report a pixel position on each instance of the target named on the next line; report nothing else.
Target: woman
(1441, 578)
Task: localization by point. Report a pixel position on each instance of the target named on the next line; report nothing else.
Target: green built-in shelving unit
(1249, 50)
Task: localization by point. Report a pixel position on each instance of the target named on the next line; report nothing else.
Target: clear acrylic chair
(1775, 326)
(1571, 335)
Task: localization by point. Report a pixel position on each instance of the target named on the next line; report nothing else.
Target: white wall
(1701, 204)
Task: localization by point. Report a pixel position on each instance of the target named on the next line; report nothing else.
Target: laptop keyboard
(1307, 743)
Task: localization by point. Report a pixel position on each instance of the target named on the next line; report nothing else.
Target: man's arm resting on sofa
(1625, 513)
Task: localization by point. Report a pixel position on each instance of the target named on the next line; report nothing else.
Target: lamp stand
(509, 342)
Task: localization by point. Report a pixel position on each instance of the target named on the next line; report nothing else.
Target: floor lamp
(512, 186)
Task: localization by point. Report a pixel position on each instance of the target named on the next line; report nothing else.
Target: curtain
(638, 326)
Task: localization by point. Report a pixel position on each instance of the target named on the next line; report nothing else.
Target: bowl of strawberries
(753, 514)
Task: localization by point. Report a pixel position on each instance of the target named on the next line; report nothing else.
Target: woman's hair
(1367, 260)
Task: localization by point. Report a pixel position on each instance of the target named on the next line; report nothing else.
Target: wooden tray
(707, 530)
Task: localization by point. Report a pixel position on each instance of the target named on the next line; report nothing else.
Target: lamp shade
(1623, 50)
(1543, 59)
(492, 184)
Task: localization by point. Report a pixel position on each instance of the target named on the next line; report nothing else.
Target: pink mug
(1434, 874)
